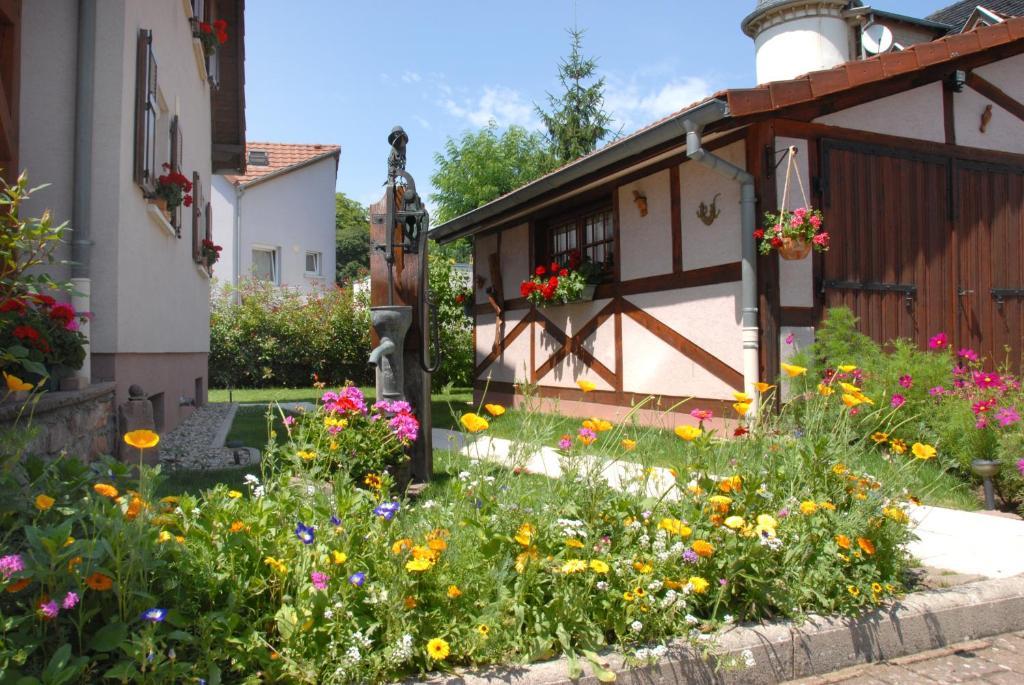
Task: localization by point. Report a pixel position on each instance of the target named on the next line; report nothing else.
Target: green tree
(351, 238)
(483, 165)
(577, 121)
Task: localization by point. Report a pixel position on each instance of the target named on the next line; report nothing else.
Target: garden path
(965, 542)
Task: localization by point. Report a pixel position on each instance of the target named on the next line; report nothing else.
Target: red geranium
(62, 312)
(540, 270)
(758, 234)
(44, 300)
(13, 305)
(26, 333)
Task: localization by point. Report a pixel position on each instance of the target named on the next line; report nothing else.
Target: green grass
(265, 395)
(183, 481)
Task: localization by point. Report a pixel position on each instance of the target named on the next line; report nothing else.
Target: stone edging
(784, 650)
(221, 436)
(55, 400)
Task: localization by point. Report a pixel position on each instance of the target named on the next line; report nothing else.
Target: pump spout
(386, 347)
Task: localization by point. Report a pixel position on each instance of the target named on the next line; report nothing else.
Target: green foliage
(352, 238)
(277, 337)
(484, 165)
(454, 327)
(577, 121)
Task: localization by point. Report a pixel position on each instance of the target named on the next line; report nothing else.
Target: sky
(346, 71)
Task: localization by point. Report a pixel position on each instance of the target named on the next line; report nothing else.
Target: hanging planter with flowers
(212, 36)
(210, 253)
(794, 233)
(464, 299)
(172, 190)
(558, 284)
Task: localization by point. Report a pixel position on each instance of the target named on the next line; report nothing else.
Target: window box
(159, 218)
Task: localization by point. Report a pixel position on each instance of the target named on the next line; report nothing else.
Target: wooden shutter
(175, 162)
(208, 212)
(144, 170)
(197, 199)
(10, 81)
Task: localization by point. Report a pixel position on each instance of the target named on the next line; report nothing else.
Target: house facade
(107, 93)
(914, 154)
(275, 223)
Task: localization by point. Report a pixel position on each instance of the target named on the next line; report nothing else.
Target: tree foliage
(483, 165)
(351, 237)
(577, 121)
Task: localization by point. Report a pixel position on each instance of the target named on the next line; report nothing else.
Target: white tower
(793, 37)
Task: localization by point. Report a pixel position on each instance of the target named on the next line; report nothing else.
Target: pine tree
(577, 121)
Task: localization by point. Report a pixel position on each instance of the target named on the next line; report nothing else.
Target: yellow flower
(44, 502)
(372, 481)
(675, 527)
(688, 433)
(237, 526)
(851, 400)
(105, 490)
(702, 548)
(438, 649)
(642, 567)
(454, 592)
(876, 588)
(306, 455)
(143, 439)
(494, 409)
(741, 408)
(523, 558)
(720, 503)
(574, 543)
(421, 552)
(807, 507)
(164, 536)
(735, 522)
(437, 544)
(586, 386)
(699, 585)
(401, 545)
(792, 371)
(15, 384)
(598, 566)
(866, 545)
(923, 451)
(839, 469)
(628, 445)
(853, 590)
(278, 566)
(473, 423)
(586, 439)
(338, 557)
(525, 534)
(234, 494)
(763, 387)
(742, 397)
(484, 630)
(898, 446)
(825, 390)
(850, 388)
(599, 425)
(895, 514)
(880, 437)
(134, 508)
(628, 596)
(574, 566)
(419, 565)
(731, 484)
(766, 525)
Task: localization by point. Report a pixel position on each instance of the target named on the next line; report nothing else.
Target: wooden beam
(574, 345)
(684, 345)
(503, 344)
(996, 95)
(677, 219)
(948, 117)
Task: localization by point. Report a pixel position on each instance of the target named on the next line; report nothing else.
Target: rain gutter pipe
(693, 124)
(81, 237)
(236, 267)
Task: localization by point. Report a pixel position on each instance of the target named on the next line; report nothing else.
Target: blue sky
(346, 71)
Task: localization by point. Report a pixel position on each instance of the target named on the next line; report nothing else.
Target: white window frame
(319, 263)
(275, 263)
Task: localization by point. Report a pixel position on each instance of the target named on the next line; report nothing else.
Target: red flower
(563, 273)
(460, 298)
(187, 201)
(220, 25)
(554, 267)
(13, 305)
(205, 28)
(525, 288)
(553, 282)
(62, 312)
(758, 234)
(548, 292)
(540, 270)
(739, 432)
(26, 333)
(44, 300)
(776, 242)
(222, 37)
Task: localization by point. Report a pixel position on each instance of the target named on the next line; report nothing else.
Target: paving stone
(193, 444)
(1003, 678)
(956, 668)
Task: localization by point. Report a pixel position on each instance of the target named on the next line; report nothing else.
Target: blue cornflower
(357, 579)
(154, 615)
(387, 510)
(304, 533)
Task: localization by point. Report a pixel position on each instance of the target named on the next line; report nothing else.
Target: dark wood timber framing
(996, 95)
(948, 116)
(761, 158)
(677, 218)
(227, 99)
(10, 86)
(574, 345)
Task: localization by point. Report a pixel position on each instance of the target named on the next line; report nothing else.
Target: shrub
(454, 327)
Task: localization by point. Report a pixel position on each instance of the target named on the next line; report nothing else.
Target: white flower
(644, 540)
(353, 654)
(429, 504)
(692, 620)
(251, 479)
(601, 585)
(258, 492)
(659, 651)
(727, 618)
(464, 475)
(654, 585)
(310, 490)
(748, 658)
(328, 613)
(636, 626)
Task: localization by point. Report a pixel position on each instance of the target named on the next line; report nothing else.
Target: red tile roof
(282, 158)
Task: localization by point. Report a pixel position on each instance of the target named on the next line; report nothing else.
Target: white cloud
(421, 121)
(411, 77)
(504, 105)
(634, 106)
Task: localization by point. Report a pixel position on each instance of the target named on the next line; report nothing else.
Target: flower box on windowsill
(158, 217)
(197, 48)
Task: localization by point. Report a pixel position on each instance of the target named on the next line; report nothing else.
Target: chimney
(793, 37)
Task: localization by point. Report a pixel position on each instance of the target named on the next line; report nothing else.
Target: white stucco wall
(292, 213)
(515, 259)
(222, 202)
(718, 243)
(646, 247)
(915, 113)
(801, 45)
(1004, 131)
(483, 248)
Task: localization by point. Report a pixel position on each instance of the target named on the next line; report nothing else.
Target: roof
(741, 104)
(283, 158)
(957, 14)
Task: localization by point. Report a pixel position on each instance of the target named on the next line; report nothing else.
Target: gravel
(198, 441)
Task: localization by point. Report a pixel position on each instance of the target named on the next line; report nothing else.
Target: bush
(455, 328)
(276, 337)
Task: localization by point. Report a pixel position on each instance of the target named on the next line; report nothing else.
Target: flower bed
(314, 572)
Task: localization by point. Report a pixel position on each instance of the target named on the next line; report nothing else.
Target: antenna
(876, 39)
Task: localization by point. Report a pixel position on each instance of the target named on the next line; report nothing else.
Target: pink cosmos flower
(319, 580)
(898, 401)
(1007, 416)
(938, 341)
(981, 423)
(937, 391)
(789, 339)
(702, 415)
(289, 421)
(987, 380)
(70, 600)
(11, 564)
(565, 443)
(982, 406)
(968, 354)
(49, 610)
(906, 381)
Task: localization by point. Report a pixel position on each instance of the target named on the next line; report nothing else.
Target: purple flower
(789, 339)
(289, 421)
(70, 600)
(565, 443)
(987, 380)
(588, 435)
(937, 391)
(1007, 416)
(11, 564)
(357, 579)
(938, 341)
(404, 426)
(319, 580)
(898, 401)
(154, 615)
(783, 513)
(335, 521)
(906, 381)
(1020, 466)
(49, 609)
(305, 533)
(723, 582)
(691, 557)
(396, 407)
(387, 510)
(968, 354)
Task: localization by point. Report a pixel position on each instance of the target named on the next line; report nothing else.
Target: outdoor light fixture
(987, 470)
(957, 80)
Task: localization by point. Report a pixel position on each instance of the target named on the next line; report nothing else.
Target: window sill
(197, 48)
(201, 268)
(311, 274)
(160, 220)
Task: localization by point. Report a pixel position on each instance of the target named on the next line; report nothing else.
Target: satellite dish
(876, 39)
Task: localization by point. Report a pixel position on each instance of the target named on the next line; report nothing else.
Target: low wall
(82, 423)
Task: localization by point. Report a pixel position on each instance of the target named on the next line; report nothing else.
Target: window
(313, 263)
(589, 233)
(146, 167)
(264, 264)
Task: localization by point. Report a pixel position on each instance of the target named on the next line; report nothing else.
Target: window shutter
(142, 79)
(208, 211)
(175, 162)
(197, 199)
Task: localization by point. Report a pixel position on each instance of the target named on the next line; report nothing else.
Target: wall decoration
(641, 202)
(986, 117)
(709, 214)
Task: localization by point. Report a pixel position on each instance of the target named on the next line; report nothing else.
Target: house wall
(150, 302)
(915, 113)
(803, 44)
(292, 213)
(223, 200)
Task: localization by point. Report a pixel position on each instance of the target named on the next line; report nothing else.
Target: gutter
(236, 267)
(81, 230)
(693, 124)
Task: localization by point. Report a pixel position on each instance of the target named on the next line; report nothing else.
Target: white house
(275, 223)
(100, 94)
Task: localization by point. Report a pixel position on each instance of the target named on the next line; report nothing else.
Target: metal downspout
(694, 127)
(236, 267)
(81, 238)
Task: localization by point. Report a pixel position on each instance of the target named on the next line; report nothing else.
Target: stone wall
(81, 423)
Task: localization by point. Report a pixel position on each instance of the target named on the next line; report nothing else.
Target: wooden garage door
(887, 212)
(989, 227)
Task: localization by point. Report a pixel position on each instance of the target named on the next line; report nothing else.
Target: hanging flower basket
(794, 248)
(794, 233)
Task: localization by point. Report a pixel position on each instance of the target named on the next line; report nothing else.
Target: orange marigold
(703, 548)
(105, 490)
(100, 582)
(866, 545)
